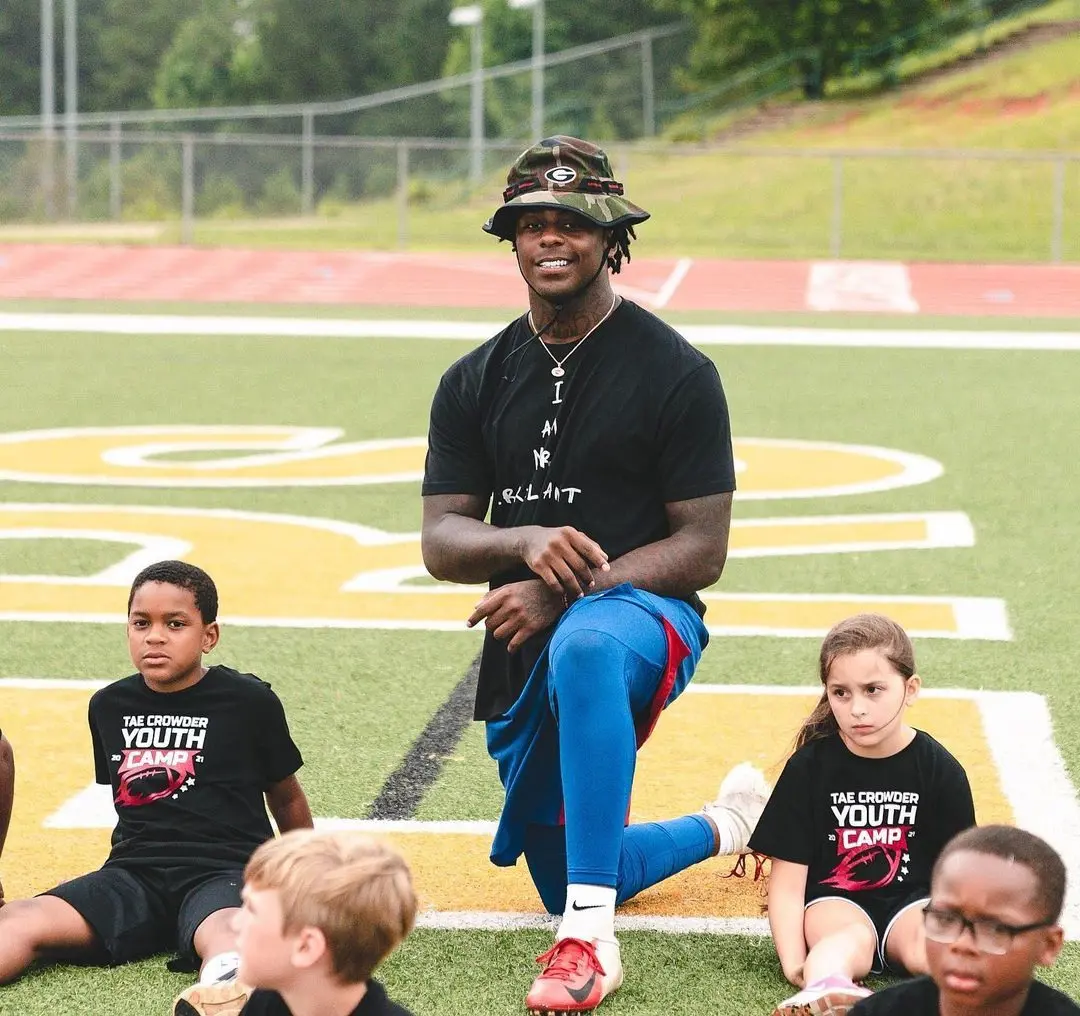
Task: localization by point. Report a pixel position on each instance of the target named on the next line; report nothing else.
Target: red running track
(478, 281)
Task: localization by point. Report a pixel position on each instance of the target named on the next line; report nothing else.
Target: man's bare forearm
(691, 558)
(678, 565)
(462, 549)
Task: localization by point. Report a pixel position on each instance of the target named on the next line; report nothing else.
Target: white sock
(589, 913)
(220, 968)
(725, 834)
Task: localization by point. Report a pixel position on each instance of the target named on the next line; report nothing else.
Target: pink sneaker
(831, 996)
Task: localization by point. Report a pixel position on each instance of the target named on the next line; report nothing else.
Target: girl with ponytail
(856, 822)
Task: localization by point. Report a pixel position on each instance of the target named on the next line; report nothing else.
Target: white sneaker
(738, 806)
(833, 996)
(225, 999)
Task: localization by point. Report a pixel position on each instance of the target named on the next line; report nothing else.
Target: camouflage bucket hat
(563, 172)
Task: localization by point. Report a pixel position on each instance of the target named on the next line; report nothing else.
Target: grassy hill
(1025, 97)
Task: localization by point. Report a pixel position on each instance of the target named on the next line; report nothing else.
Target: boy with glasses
(996, 898)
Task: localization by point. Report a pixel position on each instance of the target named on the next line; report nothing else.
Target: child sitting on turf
(321, 912)
(193, 757)
(995, 901)
(855, 823)
(7, 794)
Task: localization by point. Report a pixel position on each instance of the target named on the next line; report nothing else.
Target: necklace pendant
(557, 372)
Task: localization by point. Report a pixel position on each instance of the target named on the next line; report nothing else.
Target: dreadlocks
(619, 247)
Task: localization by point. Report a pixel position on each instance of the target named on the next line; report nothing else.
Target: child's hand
(795, 976)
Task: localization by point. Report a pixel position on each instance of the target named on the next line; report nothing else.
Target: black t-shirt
(374, 1003)
(919, 997)
(188, 769)
(638, 420)
(865, 825)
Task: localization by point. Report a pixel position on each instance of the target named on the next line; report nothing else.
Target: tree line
(167, 54)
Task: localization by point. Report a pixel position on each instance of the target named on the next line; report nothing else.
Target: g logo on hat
(561, 174)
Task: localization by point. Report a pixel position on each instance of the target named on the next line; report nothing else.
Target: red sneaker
(577, 976)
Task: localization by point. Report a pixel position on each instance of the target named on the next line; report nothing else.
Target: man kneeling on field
(580, 463)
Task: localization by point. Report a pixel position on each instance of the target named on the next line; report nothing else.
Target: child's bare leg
(31, 928)
(216, 935)
(841, 940)
(905, 946)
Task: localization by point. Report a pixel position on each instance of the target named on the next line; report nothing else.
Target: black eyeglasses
(990, 936)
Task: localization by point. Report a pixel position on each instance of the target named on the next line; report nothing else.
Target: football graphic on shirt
(150, 775)
(865, 867)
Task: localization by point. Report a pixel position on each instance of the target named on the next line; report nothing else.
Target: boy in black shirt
(995, 902)
(189, 753)
(321, 912)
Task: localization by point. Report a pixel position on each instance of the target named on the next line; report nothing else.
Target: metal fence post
(187, 190)
(1057, 222)
(48, 110)
(116, 182)
(402, 195)
(648, 89)
(71, 131)
(837, 237)
(307, 164)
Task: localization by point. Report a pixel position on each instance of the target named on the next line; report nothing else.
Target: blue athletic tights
(606, 661)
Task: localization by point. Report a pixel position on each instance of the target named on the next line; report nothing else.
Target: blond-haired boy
(321, 911)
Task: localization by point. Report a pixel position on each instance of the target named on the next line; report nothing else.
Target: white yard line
(50, 683)
(479, 331)
(1020, 733)
(977, 617)
(672, 282)
(481, 920)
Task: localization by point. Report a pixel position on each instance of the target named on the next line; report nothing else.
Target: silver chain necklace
(557, 370)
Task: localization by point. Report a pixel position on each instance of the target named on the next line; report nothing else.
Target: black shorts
(882, 915)
(137, 912)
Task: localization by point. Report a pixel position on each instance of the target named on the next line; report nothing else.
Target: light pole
(472, 17)
(71, 105)
(48, 105)
(537, 63)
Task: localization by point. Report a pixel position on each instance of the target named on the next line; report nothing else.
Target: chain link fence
(417, 193)
(623, 87)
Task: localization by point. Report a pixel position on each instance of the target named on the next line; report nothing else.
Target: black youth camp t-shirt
(188, 769)
(865, 825)
(639, 419)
